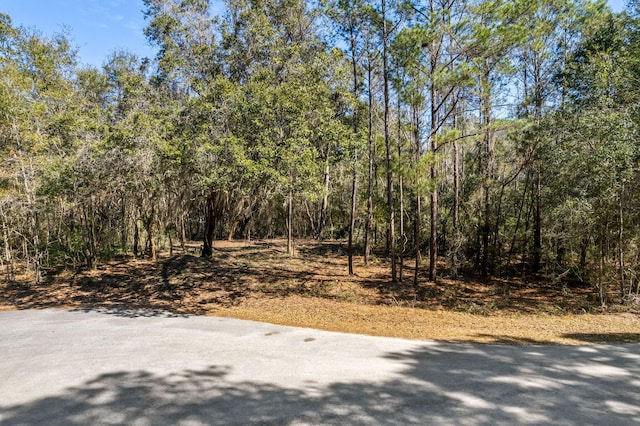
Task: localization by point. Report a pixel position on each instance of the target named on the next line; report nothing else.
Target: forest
(448, 138)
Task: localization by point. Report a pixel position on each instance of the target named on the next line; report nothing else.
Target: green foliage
(539, 100)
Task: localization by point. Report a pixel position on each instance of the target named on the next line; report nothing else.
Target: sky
(96, 27)
(99, 27)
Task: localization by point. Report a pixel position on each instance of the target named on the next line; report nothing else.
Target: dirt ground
(259, 281)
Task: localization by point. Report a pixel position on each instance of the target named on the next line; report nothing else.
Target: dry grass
(258, 281)
(414, 323)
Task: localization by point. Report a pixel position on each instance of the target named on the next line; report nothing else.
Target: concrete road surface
(136, 368)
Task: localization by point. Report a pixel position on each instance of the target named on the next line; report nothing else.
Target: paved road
(121, 367)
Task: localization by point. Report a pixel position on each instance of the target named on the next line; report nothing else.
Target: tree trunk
(527, 237)
(367, 227)
(352, 221)
(402, 235)
(496, 243)
(537, 227)
(290, 225)
(136, 238)
(354, 180)
(518, 220)
(209, 228)
(456, 210)
(621, 245)
(433, 173)
(488, 174)
(183, 236)
(401, 198)
(212, 214)
(537, 219)
(123, 226)
(417, 220)
(90, 243)
(312, 222)
(486, 229)
(387, 141)
(149, 225)
(9, 273)
(31, 204)
(433, 234)
(601, 266)
(170, 242)
(325, 197)
(584, 245)
(37, 255)
(233, 227)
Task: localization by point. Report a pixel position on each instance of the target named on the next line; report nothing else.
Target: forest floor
(259, 281)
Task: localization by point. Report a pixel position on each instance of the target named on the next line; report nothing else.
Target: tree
(349, 18)
(36, 127)
(594, 156)
(384, 37)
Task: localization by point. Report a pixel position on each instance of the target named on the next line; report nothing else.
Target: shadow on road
(605, 337)
(132, 313)
(438, 384)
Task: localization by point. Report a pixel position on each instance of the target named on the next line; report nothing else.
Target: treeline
(474, 136)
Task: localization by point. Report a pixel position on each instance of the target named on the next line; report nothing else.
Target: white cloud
(132, 25)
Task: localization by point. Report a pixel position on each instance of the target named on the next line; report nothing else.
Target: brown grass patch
(258, 281)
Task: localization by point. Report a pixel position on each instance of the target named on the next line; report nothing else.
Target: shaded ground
(259, 281)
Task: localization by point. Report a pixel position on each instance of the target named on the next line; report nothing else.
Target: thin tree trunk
(417, 207)
(527, 238)
(7, 249)
(401, 198)
(367, 228)
(354, 181)
(290, 225)
(136, 238)
(537, 220)
(325, 197)
(89, 239)
(486, 227)
(433, 173)
(37, 255)
(456, 209)
(352, 221)
(387, 140)
(123, 226)
(621, 245)
(312, 222)
(183, 236)
(402, 235)
(488, 174)
(149, 228)
(601, 266)
(537, 226)
(31, 204)
(518, 221)
(433, 234)
(496, 242)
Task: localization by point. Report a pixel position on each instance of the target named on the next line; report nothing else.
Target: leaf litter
(259, 281)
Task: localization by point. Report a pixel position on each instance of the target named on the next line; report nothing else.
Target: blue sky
(98, 27)
(617, 5)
